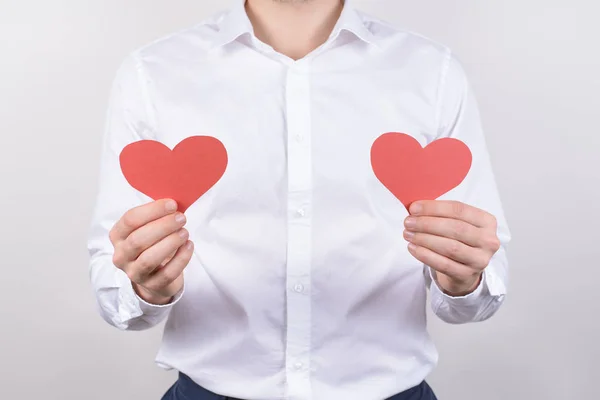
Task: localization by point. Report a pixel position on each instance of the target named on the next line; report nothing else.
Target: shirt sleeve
(129, 119)
(458, 117)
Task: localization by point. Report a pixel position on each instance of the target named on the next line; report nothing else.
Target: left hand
(456, 240)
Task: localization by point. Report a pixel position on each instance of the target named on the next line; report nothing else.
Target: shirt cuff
(467, 299)
(483, 290)
(133, 306)
(148, 308)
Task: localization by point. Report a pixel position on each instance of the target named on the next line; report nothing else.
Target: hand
(152, 248)
(456, 240)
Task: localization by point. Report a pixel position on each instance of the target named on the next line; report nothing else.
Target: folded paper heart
(183, 174)
(412, 172)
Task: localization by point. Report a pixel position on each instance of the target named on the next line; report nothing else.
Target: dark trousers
(186, 389)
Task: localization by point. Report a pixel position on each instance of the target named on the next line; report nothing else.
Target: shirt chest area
(286, 119)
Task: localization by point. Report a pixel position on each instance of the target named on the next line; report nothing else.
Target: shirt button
(299, 288)
(299, 138)
(298, 365)
(301, 212)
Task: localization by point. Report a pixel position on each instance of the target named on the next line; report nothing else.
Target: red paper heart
(184, 174)
(412, 172)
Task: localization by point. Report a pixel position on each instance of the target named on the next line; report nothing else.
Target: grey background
(534, 65)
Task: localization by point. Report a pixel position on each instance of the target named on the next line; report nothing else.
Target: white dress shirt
(301, 286)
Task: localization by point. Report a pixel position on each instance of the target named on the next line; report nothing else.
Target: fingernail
(416, 208)
(412, 246)
(171, 205)
(190, 245)
(409, 234)
(410, 222)
(184, 233)
(180, 218)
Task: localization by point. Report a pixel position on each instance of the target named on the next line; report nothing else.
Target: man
(298, 275)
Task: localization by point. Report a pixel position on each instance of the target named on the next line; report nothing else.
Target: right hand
(152, 248)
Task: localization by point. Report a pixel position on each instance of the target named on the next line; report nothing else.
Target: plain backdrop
(535, 68)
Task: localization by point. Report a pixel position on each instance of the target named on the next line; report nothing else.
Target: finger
(153, 257)
(439, 263)
(167, 274)
(449, 248)
(169, 258)
(139, 216)
(148, 235)
(454, 210)
(446, 227)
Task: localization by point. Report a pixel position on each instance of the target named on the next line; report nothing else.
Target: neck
(293, 27)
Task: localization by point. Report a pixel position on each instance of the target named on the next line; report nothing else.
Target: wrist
(149, 297)
(456, 288)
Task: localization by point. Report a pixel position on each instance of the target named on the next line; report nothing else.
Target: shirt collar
(350, 20)
(235, 23)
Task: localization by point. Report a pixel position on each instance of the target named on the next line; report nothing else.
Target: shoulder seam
(142, 48)
(214, 19)
(370, 19)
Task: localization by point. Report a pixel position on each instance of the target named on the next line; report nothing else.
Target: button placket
(299, 233)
